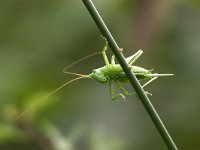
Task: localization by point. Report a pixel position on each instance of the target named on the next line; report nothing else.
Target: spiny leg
(104, 54)
(130, 60)
(124, 91)
(151, 80)
(112, 92)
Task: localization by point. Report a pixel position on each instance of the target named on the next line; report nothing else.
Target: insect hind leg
(151, 80)
(130, 60)
(124, 91)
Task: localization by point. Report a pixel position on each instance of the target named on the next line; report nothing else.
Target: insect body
(113, 72)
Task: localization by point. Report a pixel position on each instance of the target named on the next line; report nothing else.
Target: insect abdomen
(115, 72)
(140, 72)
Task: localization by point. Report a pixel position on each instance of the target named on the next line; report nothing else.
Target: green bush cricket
(111, 73)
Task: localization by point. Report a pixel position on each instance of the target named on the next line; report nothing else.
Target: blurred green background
(38, 38)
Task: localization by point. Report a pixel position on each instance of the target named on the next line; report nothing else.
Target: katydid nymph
(110, 73)
(113, 73)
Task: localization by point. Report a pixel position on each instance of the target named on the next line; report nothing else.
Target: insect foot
(147, 93)
(121, 50)
(114, 97)
(124, 98)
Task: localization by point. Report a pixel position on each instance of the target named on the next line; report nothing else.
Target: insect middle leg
(104, 54)
(112, 92)
(113, 60)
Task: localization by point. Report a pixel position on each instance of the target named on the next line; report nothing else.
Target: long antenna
(53, 92)
(77, 74)
(81, 76)
(80, 60)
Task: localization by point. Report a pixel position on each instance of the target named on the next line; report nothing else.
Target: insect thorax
(114, 72)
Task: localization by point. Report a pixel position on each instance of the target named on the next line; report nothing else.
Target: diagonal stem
(132, 78)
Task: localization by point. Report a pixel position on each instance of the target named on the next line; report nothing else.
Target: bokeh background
(38, 38)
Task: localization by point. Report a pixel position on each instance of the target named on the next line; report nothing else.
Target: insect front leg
(104, 54)
(112, 93)
(124, 91)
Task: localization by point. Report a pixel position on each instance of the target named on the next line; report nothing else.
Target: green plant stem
(132, 78)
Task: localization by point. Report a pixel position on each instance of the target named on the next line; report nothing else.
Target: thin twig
(132, 78)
